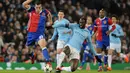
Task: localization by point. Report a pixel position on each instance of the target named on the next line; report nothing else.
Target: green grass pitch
(81, 71)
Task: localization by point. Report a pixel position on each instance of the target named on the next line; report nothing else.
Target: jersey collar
(102, 18)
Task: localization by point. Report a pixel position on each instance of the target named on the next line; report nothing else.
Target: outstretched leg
(73, 67)
(74, 59)
(60, 54)
(42, 44)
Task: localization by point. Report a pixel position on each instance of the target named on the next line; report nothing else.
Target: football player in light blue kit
(64, 34)
(86, 53)
(73, 46)
(115, 42)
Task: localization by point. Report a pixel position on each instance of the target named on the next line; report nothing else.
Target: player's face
(38, 8)
(82, 23)
(101, 13)
(60, 15)
(114, 20)
(89, 20)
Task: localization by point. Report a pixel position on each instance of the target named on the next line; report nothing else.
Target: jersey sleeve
(90, 45)
(73, 25)
(31, 8)
(54, 34)
(113, 27)
(47, 12)
(109, 21)
(58, 25)
(120, 31)
(95, 26)
(67, 22)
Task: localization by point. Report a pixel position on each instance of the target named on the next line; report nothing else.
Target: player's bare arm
(109, 31)
(94, 37)
(49, 16)
(26, 4)
(94, 33)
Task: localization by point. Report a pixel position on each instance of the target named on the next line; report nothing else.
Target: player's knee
(42, 43)
(67, 50)
(110, 52)
(98, 51)
(59, 51)
(118, 54)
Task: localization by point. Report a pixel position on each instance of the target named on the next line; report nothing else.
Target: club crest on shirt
(104, 21)
(43, 14)
(98, 22)
(90, 28)
(34, 14)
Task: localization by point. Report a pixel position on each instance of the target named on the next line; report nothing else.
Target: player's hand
(26, 3)
(97, 58)
(50, 40)
(108, 32)
(114, 35)
(30, 0)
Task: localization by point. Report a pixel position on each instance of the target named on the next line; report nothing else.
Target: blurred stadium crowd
(13, 24)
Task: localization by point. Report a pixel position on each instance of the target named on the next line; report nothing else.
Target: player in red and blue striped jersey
(36, 27)
(102, 36)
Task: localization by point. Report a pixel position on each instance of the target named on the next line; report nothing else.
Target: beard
(82, 26)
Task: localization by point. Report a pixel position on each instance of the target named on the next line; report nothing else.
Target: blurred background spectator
(13, 24)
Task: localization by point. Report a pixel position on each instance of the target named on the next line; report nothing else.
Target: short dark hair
(61, 11)
(115, 16)
(102, 10)
(38, 3)
(84, 18)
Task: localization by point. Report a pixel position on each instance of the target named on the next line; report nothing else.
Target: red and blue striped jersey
(37, 21)
(101, 27)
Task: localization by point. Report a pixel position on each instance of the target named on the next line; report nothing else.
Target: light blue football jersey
(63, 33)
(118, 32)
